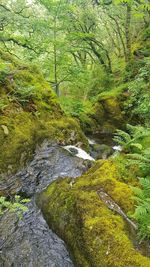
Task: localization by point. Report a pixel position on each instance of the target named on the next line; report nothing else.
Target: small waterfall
(117, 148)
(91, 141)
(78, 152)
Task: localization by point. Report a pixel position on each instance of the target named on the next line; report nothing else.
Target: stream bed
(29, 242)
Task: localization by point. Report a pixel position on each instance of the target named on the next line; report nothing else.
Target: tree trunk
(99, 57)
(128, 33)
(57, 89)
(55, 58)
(118, 29)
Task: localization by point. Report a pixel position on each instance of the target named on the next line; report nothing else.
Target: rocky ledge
(29, 241)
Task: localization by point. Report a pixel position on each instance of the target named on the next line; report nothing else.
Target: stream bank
(29, 241)
(72, 209)
(95, 234)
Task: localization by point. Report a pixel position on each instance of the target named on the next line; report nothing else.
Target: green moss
(30, 112)
(95, 235)
(108, 112)
(129, 173)
(115, 92)
(26, 131)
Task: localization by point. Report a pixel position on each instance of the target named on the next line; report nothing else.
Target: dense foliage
(142, 211)
(137, 153)
(95, 55)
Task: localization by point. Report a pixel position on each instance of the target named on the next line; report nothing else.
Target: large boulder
(91, 226)
(51, 161)
(30, 242)
(108, 113)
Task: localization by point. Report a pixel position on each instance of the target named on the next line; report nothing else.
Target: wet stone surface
(29, 242)
(50, 162)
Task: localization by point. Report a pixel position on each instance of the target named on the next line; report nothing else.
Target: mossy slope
(29, 113)
(95, 235)
(108, 112)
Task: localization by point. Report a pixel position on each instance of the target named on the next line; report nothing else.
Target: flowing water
(78, 152)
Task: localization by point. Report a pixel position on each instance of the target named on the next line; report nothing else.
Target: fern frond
(139, 157)
(145, 182)
(122, 136)
(136, 145)
(140, 211)
(137, 191)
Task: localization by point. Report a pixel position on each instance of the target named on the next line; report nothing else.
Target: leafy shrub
(139, 100)
(75, 107)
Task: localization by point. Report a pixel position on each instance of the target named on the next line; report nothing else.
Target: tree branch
(11, 39)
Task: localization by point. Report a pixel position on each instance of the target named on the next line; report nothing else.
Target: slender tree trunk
(120, 36)
(128, 33)
(55, 59)
(112, 39)
(56, 83)
(102, 62)
(57, 89)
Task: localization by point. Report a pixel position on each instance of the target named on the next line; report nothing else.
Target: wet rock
(101, 151)
(29, 242)
(50, 162)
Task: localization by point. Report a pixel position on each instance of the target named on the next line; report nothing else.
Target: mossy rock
(29, 113)
(25, 131)
(108, 113)
(95, 235)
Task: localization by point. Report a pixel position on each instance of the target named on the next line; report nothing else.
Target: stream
(28, 242)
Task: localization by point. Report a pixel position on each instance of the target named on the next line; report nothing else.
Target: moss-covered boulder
(108, 112)
(96, 235)
(29, 113)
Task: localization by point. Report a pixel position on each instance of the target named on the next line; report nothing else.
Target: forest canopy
(74, 89)
(75, 42)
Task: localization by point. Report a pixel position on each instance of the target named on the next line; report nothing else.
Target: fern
(122, 138)
(136, 145)
(129, 140)
(145, 182)
(25, 94)
(138, 131)
(142, 211)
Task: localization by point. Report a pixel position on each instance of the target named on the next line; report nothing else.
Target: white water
(91, 141)
(80, 153)
(117, 148)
